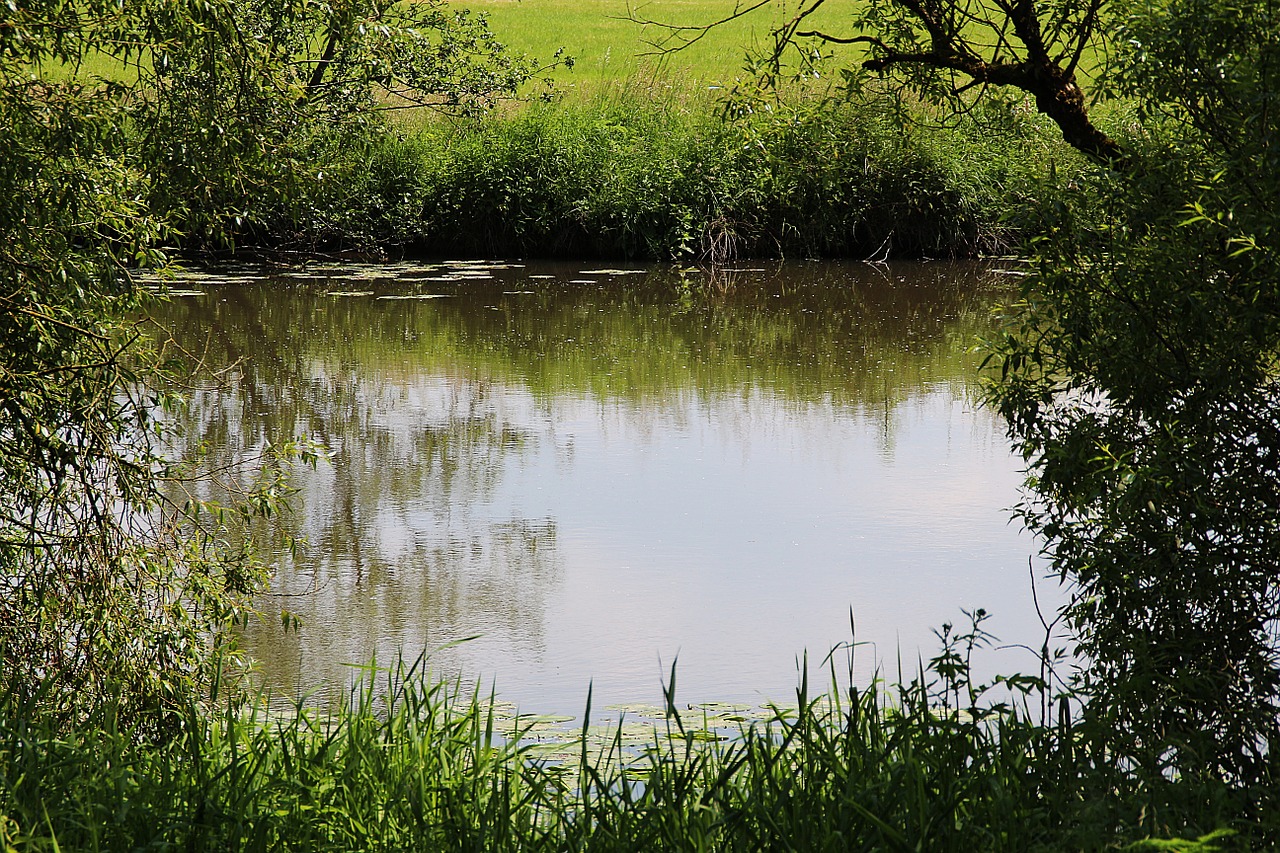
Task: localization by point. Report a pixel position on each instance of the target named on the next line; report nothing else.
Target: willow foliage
(113, 590)
(1139, 376)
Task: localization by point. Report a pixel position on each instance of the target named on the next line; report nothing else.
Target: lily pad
(546, 718)
(553, 752)
(705, 735)
(213, 279)
(723, 707)
(482, 265)
(639, 710)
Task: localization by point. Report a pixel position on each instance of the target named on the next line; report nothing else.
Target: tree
(1139, 377)
(944, 49)
(1032, 46)
(90, 604)
(1138, 373)
(112, 593)
(245, 115)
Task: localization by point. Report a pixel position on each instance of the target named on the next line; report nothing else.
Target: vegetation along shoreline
(1130, 153)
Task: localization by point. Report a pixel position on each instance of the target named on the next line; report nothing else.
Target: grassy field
(626, 40)
(609, 41)
(630, 43)
(610, 44)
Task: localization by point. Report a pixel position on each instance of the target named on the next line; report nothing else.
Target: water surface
(591, 474)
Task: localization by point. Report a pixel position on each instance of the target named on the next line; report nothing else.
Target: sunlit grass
(608, 41)
(613, 41)
(610, 44)
(407, 763)
(625, 44)
(92, 66)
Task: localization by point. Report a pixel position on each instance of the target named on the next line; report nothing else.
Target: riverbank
(651, 172)
(408, 764)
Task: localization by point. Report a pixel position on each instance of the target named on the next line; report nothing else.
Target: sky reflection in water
(593, 479)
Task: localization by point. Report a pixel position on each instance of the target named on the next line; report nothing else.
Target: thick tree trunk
(1063, 102)
(946, 45)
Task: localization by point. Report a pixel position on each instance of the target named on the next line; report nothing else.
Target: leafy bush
(652, 174)
(1139, 377)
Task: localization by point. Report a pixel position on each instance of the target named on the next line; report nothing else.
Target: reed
(407, 762)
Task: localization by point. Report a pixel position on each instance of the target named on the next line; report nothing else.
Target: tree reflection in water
(478, 439)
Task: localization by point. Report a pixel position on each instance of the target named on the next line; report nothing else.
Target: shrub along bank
(648, 173)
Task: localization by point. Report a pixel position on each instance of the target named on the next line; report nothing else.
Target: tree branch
(1057, 94)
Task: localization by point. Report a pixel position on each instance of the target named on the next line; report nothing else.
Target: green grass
(609, 48)
(613, 45)
(411, 764)
(651, 173)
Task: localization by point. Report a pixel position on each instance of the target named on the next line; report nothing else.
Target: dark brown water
(592, 474)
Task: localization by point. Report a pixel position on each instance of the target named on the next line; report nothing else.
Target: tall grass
(649, 172)
(410, 764)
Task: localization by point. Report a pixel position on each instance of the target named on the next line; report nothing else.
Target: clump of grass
(408, 763)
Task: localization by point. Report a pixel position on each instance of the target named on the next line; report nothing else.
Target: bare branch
(1085, 34)
(663, 46)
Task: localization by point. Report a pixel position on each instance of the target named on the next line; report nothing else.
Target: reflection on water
(591, 474)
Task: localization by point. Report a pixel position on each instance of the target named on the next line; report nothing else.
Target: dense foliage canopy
(1138, 373)
(207, 119)
(1139, 377)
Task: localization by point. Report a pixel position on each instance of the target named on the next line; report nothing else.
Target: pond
(586, 474)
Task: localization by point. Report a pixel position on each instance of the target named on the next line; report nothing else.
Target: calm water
(593, 474)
